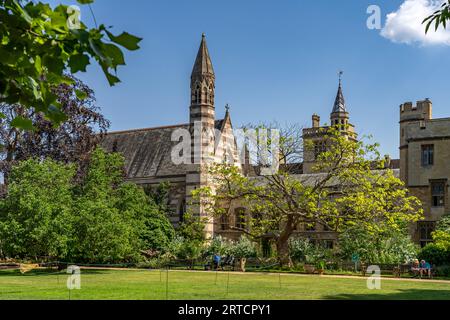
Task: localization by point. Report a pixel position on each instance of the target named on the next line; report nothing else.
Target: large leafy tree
(346, 191)
(35, 217)
(101, 219)
(70, 142)
(115, 220)
(39, 44)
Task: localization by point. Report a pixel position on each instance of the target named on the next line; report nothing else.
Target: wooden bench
(395, 269)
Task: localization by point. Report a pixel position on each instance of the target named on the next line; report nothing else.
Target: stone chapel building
(148, 152)
(424, 163)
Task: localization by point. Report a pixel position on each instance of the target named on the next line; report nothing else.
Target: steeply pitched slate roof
(147, 151)
(203, 64)
(339, 103)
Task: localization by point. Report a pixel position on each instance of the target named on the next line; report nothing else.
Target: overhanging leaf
(126, 40)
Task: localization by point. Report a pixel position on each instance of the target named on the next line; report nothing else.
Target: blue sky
(274, 60)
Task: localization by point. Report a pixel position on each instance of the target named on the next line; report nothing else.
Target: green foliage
(116, 220)
(38, 44)
(442, 238)
(438, 18)
(443, 271)
(158, 231)
(218, 245)
(103, 220)
(244, 248)
(388, 246)
(173, 248)
(302, 250)
(35, 216)
(438, 252)
(444, 224)
(71, 142)
(435, 254)
(184, 249)
(189, 242)
(190, 250)
(348, 192)
(192, 228)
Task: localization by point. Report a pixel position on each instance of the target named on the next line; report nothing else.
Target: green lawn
(138, 285)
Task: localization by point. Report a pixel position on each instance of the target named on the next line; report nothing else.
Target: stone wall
(417, 129)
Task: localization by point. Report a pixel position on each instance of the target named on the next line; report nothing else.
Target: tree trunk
(242, 262)
(283, 252)
(283, 244)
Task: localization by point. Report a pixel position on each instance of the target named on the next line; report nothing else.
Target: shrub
(218, 245)
(183, 249)
(173, 248)
(438, 252)
(389, 246)
(243, 249)
(190, 250)
(435, 254)
(443, 271)
(444, 223)
(302, 250)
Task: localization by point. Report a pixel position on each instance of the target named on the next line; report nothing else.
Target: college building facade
(424, 163)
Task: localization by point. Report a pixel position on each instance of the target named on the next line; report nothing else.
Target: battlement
(422, 110)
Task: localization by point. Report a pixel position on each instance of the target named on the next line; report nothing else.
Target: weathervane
(227, 107)
(341, 73)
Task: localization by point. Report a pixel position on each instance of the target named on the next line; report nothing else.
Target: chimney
(387, 161)
(426, 106)
(315, 121)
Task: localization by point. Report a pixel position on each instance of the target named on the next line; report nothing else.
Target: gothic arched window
(224, 223)
(211, 94)
(197, 94)
(205, 96)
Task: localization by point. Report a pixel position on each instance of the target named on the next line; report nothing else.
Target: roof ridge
(147, 129)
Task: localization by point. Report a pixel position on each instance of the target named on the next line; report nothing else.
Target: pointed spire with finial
(227, 113)
(339, 103)
(203, 64)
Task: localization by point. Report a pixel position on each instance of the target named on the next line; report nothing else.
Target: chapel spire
(339, 115)
(203, 78)
(203, 65)
(339, 103)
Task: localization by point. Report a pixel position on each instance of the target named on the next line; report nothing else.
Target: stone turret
(202, 111)
(414, 116)
(202, 125)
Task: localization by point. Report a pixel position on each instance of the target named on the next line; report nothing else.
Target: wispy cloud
(405, 24)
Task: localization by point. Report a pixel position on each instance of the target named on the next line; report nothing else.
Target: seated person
(415, 267)
(216, 261)
(425, 268)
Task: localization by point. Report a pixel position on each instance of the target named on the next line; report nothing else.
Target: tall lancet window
(197, 95)
(211, 95)
(182, 211)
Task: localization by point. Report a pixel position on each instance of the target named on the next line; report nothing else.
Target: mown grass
(182, 285)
